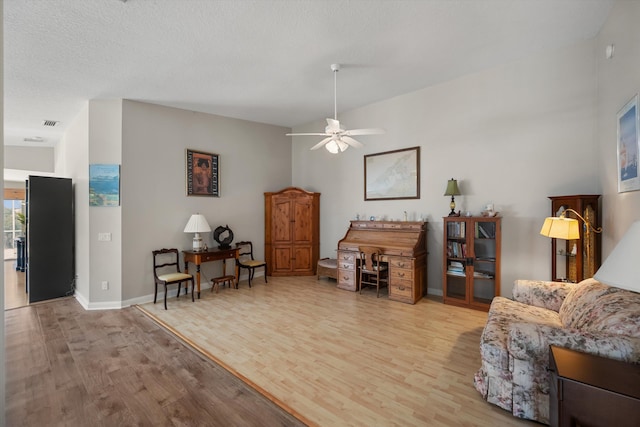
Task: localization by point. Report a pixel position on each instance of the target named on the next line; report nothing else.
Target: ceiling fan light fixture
(338, 138)
(332, 147)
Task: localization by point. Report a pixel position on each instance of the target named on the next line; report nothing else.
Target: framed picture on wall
(628, 147)
(392, 175)
(104, 185)
(202, 174)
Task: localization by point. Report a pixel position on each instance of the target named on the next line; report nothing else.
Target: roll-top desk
(404, 248)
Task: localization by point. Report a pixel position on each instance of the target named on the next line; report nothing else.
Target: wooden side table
(589, 390)
(198, 257)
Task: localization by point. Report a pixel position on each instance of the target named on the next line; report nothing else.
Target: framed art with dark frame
(392, 175)
(628, 147)
(203, 174)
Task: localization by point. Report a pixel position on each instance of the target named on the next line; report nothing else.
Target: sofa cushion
(595, 307)
(541, 293)
(579, 302)
(502, 314)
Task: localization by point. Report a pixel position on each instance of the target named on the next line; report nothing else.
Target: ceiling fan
(338, 139)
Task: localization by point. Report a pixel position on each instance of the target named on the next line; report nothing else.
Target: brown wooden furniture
(166, 271)
(328, 267)
(589, 390)
(404, 248)
(373, 271)
(292, 232)
(471, 261)
(223, 280)
(199, 257)
(247, 261)
(565, 264)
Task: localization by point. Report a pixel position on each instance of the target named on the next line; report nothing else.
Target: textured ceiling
(261, 60)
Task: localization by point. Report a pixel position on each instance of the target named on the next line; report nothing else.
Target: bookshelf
(471, 261)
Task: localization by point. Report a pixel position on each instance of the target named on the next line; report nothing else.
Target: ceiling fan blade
(333, 126)
(352, 142)
(321, 143)
(370, 131)
(305, 134)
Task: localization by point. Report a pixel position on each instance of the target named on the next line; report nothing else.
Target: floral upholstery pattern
(549, 295)
(589, 316)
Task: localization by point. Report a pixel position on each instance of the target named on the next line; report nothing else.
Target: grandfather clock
(576, 260)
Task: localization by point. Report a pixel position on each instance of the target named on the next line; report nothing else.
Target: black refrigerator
(50, 238)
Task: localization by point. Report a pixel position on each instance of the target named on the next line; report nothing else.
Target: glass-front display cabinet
(579, 259)
(471, 270)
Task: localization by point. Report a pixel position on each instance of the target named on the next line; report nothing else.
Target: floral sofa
(588, 316)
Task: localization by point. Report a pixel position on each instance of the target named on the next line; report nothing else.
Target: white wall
(105, 257)
(74, 149)
(511, 135)
(618, 82)
(40, 159)
(254, 158)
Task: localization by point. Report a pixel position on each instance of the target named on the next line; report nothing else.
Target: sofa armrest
(540, 293)
(528, 341)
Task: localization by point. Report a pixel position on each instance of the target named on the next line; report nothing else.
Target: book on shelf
(456, 265)
(481, 232)
(456, 250)
(456, 230)
(481, 275)
(456, 273)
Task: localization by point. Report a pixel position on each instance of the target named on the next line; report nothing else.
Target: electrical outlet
(105, 285)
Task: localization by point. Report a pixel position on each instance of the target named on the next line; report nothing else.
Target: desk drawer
(400, 274)
(346, 256)
(346, 266)
(401, 262)
(401, 290)
(347, 280)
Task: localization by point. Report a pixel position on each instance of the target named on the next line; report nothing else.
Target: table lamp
(565, 228)
(197, 224)
(621, 269)
(452, 190)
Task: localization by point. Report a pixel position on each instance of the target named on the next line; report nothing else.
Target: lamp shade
(561, 228)
(197, 224)
(452, 188)
(621, 269)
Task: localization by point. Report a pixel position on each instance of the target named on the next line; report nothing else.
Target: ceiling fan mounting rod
(335, 68)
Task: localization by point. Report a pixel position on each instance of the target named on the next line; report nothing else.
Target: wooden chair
(246, 260)
(373, 272)
(166, 271)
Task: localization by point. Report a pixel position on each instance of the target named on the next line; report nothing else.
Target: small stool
(216, 281)
(328, 267)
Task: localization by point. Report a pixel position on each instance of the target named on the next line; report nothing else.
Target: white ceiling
(261, 60)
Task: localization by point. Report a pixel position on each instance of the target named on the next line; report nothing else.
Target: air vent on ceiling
(50, 123)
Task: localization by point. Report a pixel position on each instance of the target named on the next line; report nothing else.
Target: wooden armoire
(292, 232)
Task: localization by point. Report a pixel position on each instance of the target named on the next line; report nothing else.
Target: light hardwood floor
(14, 286)
(337, 358)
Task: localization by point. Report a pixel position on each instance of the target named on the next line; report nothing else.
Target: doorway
(15, 292)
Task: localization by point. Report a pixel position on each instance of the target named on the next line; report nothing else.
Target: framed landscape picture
(104, 185)
(628, 147)
(202, 174)
(392, 175)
